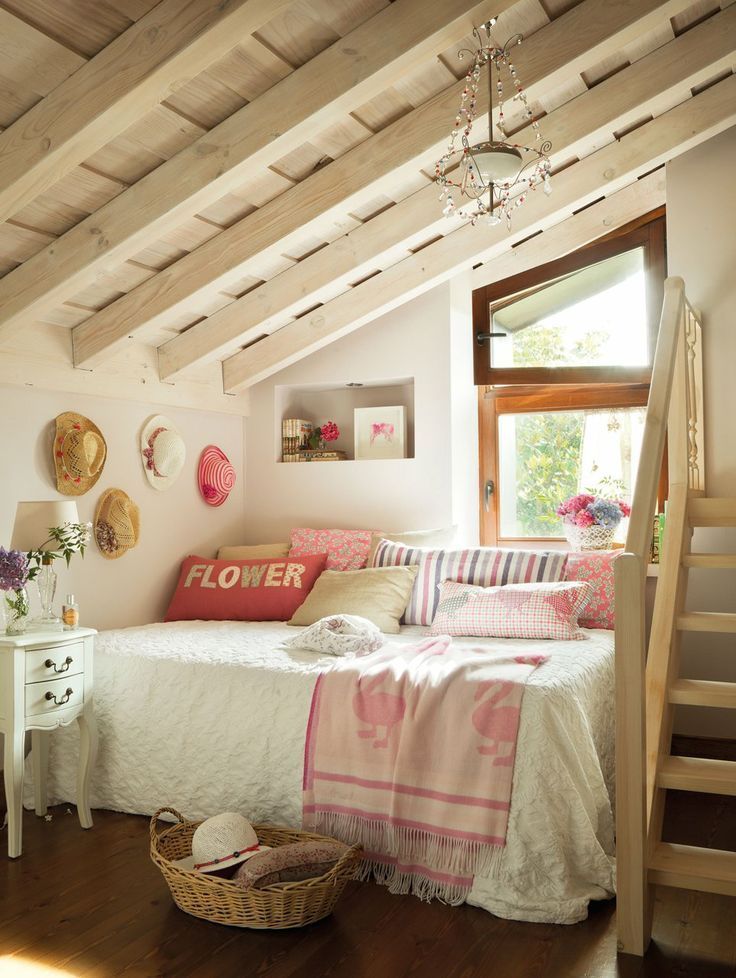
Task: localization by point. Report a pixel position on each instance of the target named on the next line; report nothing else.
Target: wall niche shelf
(337, 401)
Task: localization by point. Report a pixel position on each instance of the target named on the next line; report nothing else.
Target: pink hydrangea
(584, 518)
(329, 431)
(624, 507)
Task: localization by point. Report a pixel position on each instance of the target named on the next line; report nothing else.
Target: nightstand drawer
(58, 694)
(45, 664)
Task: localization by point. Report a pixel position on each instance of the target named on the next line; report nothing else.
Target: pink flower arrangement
(329, 431)
(585, 510)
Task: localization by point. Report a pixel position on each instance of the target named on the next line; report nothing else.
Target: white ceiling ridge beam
(134, 73)
(342, 77)
(587, 121)
(556, 53)
(603, 173)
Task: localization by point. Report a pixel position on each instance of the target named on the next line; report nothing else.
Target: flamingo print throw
(410, 751)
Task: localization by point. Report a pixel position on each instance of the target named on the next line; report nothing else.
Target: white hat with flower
(162, 451)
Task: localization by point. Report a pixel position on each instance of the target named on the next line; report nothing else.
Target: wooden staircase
(648, 681)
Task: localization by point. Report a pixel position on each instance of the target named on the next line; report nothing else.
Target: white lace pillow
(342, 635)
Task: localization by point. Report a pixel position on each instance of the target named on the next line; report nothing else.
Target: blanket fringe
(407, 850)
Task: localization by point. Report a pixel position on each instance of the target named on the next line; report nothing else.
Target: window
(563, 362)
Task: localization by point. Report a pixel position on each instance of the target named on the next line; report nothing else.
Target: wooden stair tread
(703, 692)
(698, 774)
(707, 621)
(693, 868)
(715, 511)
(709, 560)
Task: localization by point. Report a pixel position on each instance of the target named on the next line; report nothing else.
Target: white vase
(589, 537)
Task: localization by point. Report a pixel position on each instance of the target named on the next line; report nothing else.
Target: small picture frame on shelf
(380, 432)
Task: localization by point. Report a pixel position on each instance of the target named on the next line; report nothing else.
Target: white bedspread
(209, 717)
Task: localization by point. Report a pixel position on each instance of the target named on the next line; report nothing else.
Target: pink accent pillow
(511, 610)
(243, 590)
(595, 567)
(345, 549)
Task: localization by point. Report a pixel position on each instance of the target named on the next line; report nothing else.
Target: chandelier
(495, 176)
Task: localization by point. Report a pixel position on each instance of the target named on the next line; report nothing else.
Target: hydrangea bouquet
(590, 521)
(14, 574)
(325, 432)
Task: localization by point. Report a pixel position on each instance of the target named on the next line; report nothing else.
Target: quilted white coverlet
(209, 717)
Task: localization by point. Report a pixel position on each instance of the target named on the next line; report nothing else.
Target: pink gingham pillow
(484, 566)
(345, 549)
(595, 567)
(511, 611)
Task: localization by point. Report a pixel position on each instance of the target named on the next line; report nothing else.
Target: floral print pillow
(345, 549)
(596, 567)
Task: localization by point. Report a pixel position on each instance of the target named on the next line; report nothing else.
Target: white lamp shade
(33, 519)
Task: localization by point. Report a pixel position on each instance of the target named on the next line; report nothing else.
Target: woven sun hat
(216, 476)
(162, 451)
(117, 524)
(79, 453)
(221, 841)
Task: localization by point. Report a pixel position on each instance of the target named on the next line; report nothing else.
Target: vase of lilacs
(14, 574)
(590, 522)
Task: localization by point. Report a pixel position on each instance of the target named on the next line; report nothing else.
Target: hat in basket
(79, 453)
(221, 841)
(117, 524)
(216, 476)
(163, 452)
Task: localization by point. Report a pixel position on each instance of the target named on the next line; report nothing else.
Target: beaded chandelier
(495, 176)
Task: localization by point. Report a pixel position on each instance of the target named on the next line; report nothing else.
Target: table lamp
(31, 532)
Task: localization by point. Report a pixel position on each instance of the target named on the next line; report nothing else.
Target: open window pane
(546, 456)
(593, 317)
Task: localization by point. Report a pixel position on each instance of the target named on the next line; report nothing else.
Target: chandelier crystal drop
(493, 177)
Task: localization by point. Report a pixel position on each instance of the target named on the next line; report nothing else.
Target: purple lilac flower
(13, 570)
(605, 513)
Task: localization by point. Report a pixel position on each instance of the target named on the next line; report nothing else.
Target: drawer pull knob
(64, 699)
(50, 664)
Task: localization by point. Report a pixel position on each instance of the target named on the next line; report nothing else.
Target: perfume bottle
(70, 613)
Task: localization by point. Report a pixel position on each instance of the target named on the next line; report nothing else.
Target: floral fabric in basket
(345, 549)
(595, 567)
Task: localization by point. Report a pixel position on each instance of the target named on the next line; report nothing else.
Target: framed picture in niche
(380, 432)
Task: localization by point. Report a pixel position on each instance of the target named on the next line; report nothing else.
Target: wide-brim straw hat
(162, 451)
(215, 475)
(79, 453)
(117, 524)
(220, 842)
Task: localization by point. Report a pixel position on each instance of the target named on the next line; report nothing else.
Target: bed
(211, 716)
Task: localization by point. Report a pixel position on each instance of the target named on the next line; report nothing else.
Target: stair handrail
(674, 414)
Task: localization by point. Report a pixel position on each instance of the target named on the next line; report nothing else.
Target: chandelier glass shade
(493, 177)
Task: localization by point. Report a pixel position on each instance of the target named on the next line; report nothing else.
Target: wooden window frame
(519, 390)
(647, 232)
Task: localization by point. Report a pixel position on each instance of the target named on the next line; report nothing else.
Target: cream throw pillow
(254, 552)
(379, 594)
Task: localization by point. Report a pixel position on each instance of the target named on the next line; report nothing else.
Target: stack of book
(295, 433)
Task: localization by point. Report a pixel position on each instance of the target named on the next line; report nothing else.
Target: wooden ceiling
(195, 194)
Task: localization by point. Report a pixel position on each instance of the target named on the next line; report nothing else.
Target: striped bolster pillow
(483, 566)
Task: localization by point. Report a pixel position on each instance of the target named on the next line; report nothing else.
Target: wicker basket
(589, 537)
(223, 902)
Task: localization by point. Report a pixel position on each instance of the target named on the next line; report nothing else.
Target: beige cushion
(379, 594)
(440, 539)
(254, 552)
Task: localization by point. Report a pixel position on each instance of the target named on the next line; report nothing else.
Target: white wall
(701, 243)
(134, 589)
(428, 340)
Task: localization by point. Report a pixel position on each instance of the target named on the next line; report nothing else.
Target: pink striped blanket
(410, 751)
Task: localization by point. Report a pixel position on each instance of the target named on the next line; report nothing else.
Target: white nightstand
(45, 683)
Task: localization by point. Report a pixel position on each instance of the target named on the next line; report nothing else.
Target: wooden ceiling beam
(584, 123)
(350, 72)
(608, 170)
(172, 43)
(554, 54)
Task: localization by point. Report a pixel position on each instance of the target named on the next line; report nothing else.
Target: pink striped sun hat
(215, 475)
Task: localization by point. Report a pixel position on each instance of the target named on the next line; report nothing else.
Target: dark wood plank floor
(91, 905)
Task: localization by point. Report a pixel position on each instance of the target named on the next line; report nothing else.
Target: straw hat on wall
(79, 453)
(117, 524)
(163, 452)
